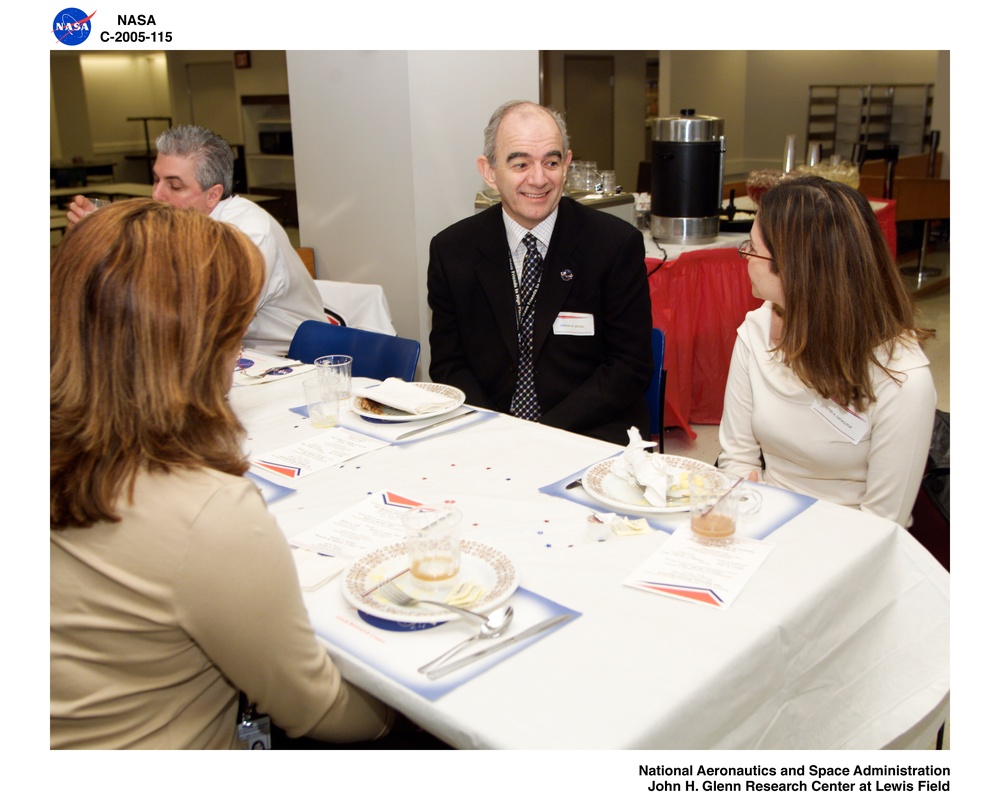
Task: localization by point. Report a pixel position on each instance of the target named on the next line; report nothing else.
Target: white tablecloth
(839, 641)
(358, 305)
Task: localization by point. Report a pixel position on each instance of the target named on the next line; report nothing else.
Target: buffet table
(839, 640)
(698, 301)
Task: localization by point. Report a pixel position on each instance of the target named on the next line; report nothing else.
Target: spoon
(496, 623)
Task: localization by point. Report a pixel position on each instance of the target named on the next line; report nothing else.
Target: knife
(525, 634)
(408, 434)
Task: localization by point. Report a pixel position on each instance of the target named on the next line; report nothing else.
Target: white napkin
(316, 570)
(658, 481)
(406, 397)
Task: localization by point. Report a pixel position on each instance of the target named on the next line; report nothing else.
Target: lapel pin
(566, 275)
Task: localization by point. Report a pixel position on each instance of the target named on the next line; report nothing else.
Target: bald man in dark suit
(556, 326)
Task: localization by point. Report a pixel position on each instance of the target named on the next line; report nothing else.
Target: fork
(396, 595)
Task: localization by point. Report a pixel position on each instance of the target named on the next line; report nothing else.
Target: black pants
(405, 735)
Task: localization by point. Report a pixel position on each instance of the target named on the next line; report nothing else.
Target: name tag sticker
(849, 424)
(570, 324)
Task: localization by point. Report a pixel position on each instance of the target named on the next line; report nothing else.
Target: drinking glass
(432, 543)
(323, 402)
(336, 371)
(717, 508)
(607, 181)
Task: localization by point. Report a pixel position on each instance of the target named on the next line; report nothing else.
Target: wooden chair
(922, 200)
(308, 257)
(877, 163)
(918, 166)
(874, 172)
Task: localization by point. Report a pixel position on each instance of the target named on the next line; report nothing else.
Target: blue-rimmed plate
(482, 564)
(373, 411)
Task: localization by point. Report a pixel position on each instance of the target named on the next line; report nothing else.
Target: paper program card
(374, 522)
(710, 574)
(334, 446)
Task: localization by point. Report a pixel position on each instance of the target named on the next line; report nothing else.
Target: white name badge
(570, 324)
(848, 424)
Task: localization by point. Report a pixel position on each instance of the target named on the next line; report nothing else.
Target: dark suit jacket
(595, 265)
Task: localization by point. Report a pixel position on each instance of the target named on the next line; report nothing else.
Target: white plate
(483, 565)
(602, 485)
(457, 397)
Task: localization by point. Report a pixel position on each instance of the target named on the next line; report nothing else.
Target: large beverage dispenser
(689, 153)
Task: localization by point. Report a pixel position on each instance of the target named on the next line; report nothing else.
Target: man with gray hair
(194, 169)
(539, 305)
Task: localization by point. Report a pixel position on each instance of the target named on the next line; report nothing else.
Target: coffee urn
(689, 153)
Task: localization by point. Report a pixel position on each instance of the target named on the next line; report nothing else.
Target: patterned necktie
(525, 401)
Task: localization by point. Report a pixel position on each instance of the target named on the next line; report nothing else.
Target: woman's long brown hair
(148, 305)
(844, 295)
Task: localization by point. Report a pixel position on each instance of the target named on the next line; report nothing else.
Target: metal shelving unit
(270, 173)
(841, 115)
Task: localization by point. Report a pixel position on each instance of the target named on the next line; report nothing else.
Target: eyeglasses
(746, 251)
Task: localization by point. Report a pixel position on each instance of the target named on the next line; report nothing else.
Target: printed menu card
(335, 446)
(689, 569)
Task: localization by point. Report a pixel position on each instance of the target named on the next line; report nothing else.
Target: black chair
(861, 153)
(931, 524)
(656, 391)
(376, 355)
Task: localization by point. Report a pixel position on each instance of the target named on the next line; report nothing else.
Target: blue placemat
(779, 506)
(371, 644)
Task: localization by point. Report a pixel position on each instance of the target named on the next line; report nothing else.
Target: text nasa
(136, 20)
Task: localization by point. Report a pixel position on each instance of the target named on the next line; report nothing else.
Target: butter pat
(630, 527)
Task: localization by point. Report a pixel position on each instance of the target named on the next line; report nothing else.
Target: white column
(385, 157)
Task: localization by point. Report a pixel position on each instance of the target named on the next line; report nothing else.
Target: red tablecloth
(698, 301)
(887, 221)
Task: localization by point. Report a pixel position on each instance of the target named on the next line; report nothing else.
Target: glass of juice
(717, 507)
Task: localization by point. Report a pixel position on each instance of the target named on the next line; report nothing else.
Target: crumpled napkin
(658, 481)
(406, 397)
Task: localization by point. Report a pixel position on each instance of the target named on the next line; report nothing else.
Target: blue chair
(656, 391)
(376, 355)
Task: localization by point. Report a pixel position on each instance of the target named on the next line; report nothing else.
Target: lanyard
(522, 303)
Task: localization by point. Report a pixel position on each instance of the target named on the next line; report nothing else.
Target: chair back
(376, 355)
(870, 166)
(308, 256)
(656, 391)
(922, 198)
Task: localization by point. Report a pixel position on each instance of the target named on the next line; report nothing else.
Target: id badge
(849, 424)
(254, 730)
(571, 324)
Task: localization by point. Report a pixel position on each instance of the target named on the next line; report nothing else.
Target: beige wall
(629, 106)
(713, 83)
(763, 94)
(94, 92)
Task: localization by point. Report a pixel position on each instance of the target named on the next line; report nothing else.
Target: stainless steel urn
(689, 153)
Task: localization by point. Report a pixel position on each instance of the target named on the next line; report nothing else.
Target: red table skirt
(887, 221)
(698, 301)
